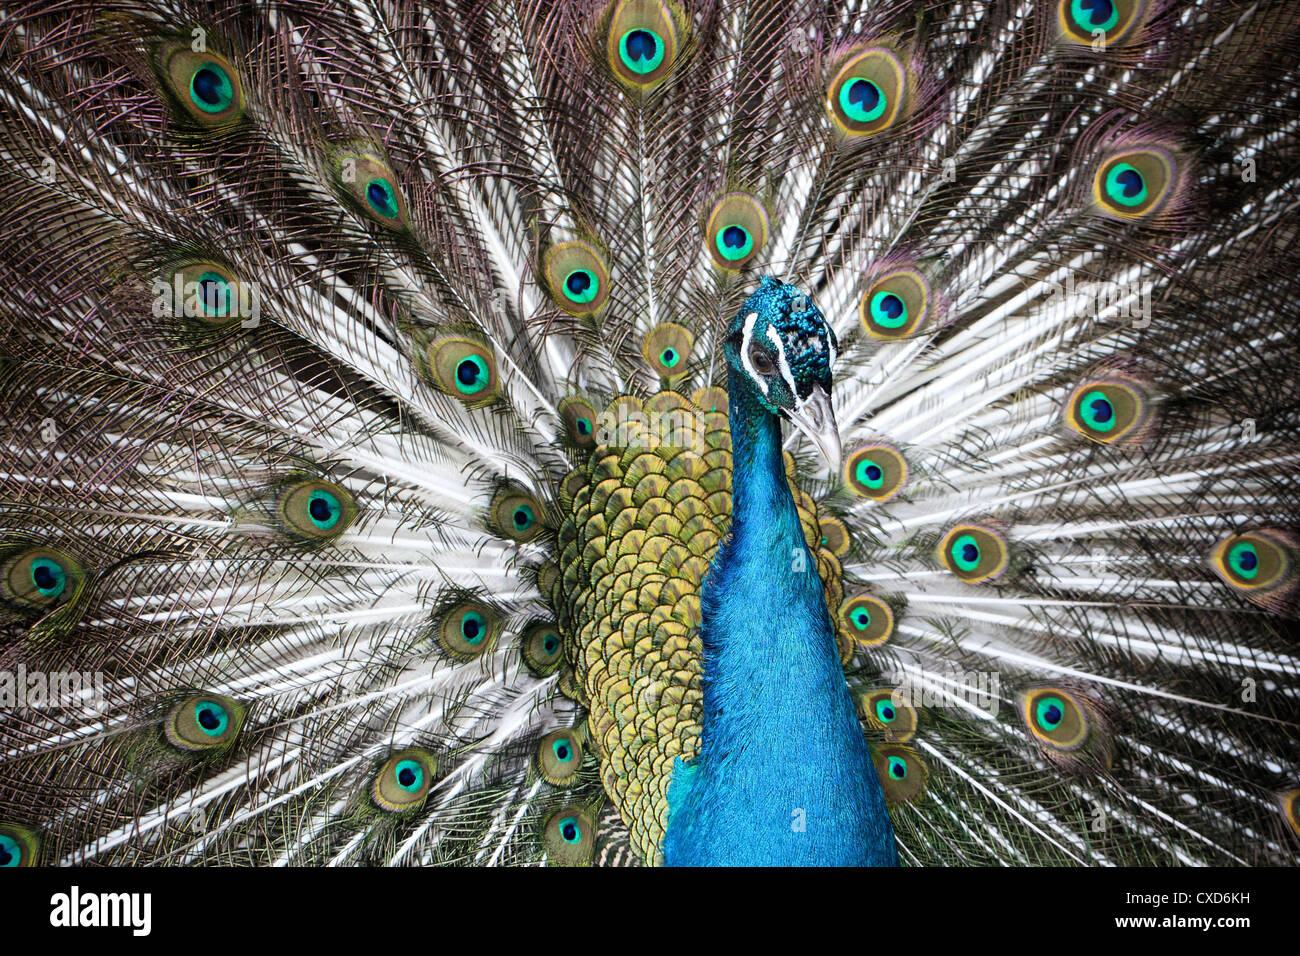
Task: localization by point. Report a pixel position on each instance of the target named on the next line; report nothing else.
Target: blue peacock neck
(783, 775)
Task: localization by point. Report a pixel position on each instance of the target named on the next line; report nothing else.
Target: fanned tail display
(377, 379)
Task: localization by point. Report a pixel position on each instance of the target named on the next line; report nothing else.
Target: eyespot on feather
(369, 184)
(579, 417)
(41, 578)
(19, 846)
(875, 471)
(1289, 801)
(208, 293)
(736, 231)
(206, 86)
(541, 648)
(1263, 566)
(516, 515)
(577, 277)
(1135, 184)
(1109, 410)
(569, 836)
(464, 367)
(642, 42)
(974, 553)
(468, 629)
(559, 757)
(1093, 22)
(203, 722)
(903, 774)
(896, 305)
(834, 536)
(667, 348)
(403, 780)
(867, 619)
(869, 92)
(888, 714)
(315, 510)
(1055, 718)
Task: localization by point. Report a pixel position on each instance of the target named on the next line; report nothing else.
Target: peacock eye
(39, 578)
(382, 198)
(577, 276)
(204, 84)
(1055, 718)
(463, 368)
(1083, 21)
(867, 619)
(641, 51)
(761, 361)
(903, 775)
(569, 836)
(316, 510)
(642, 42)
(473, 628)
(211, 718)
(370, 185)
(974, 553)
(1136, 183)
(1049, 712)
(1094, 14)
(862, 100)
(559, 757)
(875, 471)
(666, 348)
(468, 630)
(1125, 185)
(409, 775)
(50, 578)
(404, 780)
(889, 715)
(18, 846)
(1107, 411)
(204, 722)
(211, 89)
(736, 230)
(541, 647)
(966, 552)
(581, 286)
(214, 295)
(888, 310)
(207, 292)
(579, 417)
(868, 92)
(515, 515)
(895, 304)
(1256, 564)
(11, 853)
(570, 832)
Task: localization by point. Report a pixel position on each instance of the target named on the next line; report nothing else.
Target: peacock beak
(815, 418)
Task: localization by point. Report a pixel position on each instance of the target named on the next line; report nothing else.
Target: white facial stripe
(781, 363)
(744, 351)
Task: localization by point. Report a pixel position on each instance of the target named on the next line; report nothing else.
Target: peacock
(649, 432)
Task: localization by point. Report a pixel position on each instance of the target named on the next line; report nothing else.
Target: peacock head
(782, 350)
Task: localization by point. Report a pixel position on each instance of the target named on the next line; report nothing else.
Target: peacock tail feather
(366, 441)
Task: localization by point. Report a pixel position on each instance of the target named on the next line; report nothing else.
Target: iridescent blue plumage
(783, 775)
